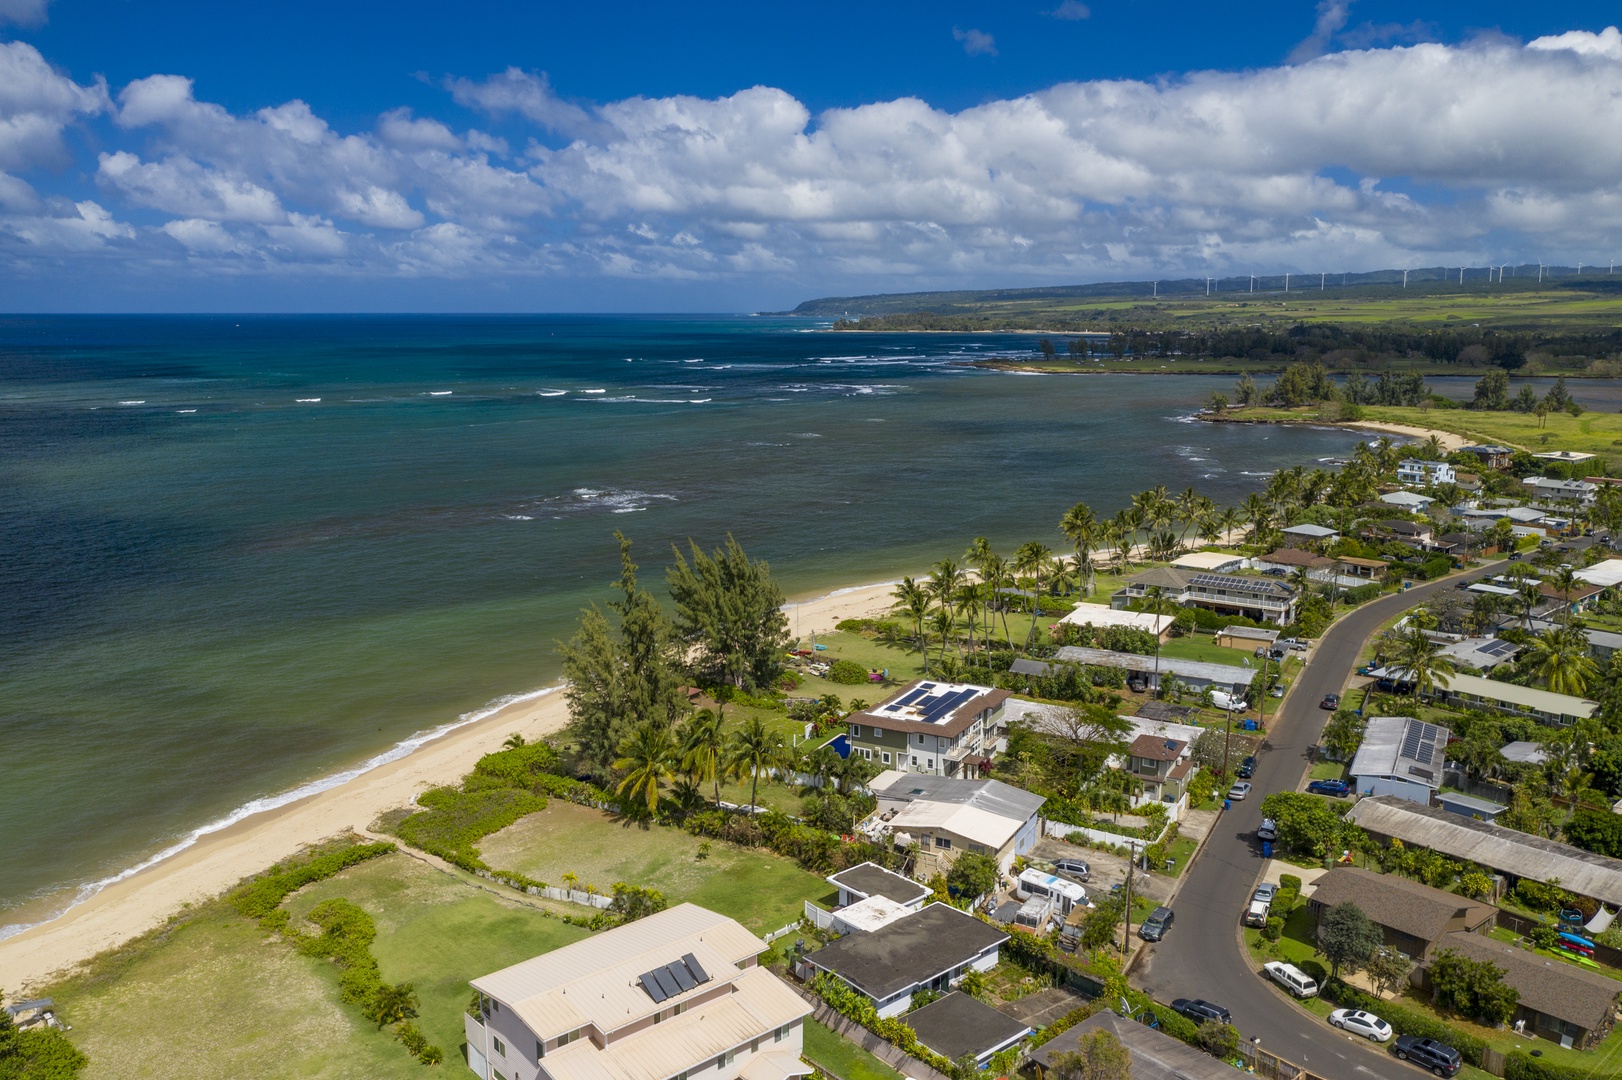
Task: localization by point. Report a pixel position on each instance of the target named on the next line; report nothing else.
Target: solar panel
(684, 979)
(667, 981)
(912, 697)
(696, 968)
(652, 987)
(926, 686)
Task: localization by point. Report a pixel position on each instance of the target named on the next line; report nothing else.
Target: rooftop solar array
(1420, 740)
(931, 703)
(1497, 647)
(666, 982)
(1240, 584)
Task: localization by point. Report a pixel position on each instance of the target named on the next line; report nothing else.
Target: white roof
(1605, 573)
(872, 913)
(1317, 532)
(1530, 697)
(1495, 590)
(1401, 747)
(972, 824)
(1214, 561)
(1563, 455)
(1406, 498)
(1099, 615)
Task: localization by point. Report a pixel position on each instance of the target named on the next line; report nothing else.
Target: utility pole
(1227, 732)
(1126, 936)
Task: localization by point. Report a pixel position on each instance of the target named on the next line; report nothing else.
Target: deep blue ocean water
(238, 554)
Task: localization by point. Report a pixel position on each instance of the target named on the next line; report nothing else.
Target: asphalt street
(1201, 955)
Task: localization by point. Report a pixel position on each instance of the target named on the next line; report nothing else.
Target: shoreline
(217, 855)
(1449, 440)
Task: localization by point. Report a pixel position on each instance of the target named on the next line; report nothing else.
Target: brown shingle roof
(1405, 906)
(1553, 987)
(1156, 748)
(1296, 557)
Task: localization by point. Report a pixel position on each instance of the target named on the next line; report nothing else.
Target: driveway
(1201, 956)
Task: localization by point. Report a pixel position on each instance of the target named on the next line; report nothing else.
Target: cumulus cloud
(530, 96)
(975, 42)
(1332, 16)
(36, 105)
(23, 12)
(399, 128)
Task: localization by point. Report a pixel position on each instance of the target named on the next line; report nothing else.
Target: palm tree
(1422, 663)
(998, 576)
(1229, 520)
(646, 757)
(1157, 603)
(820, 763)
(854, 771)
(703, 745)
(912, 599)
(1126, 534)
(1188, 506)
(944, 584)
(1565, 583)
(970, 603)
(1081, 528)
(1560, 658)
(752, 750)
(1259, 514)
(943, 624)
(513, 741)
(1031, 560)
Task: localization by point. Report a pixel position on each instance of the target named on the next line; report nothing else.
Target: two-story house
(1261, 598)
(934, 727)
(1423, 473)
(677, 995)
(1162, 765)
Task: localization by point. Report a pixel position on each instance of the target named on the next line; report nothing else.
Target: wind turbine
(1540, 271)
(1322, 277)
(1461, 275)
(1156, 291)
(1252, 282)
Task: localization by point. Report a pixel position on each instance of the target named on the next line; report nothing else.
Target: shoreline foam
(215, 856)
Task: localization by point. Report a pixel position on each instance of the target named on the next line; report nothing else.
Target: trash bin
(1267, 849)
(1227, 804)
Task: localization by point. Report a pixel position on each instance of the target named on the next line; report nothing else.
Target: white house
(947, 816)
(676, 994)
(1408, 500)
(1422, 473)
(1400, 756)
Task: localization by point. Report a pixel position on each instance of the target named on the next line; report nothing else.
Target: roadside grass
(842, 1058)
(1203, 648)
(761, 890)
(1181, 851)
(1294, 947)
(1328, 770)
(436, 932)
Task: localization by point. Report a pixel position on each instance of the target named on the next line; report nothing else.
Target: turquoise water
(214, 591)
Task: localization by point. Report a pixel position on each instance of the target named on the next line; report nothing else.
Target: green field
(761, 890)
(1203, 648)
(216, 995)
(840, 1057)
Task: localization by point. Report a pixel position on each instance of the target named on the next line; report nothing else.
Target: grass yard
(218, 996)
(840, 1057)
(1328, 770)
(903, 664)
(1181, 852)
(1200, 647)
(761, 890)
(1295, 947)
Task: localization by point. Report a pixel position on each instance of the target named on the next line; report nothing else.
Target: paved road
(1201, 955)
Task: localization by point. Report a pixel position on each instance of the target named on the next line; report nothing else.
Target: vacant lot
(217, 996)
(761, 890)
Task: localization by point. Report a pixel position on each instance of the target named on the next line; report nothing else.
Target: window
(920, 739)
(943, 842)
(568, 1037)
(915, 759)
(781, 1033)
(885, 756)
(724, 1060)
(856, 731)
(540, 1049)
(501, 1047)
(929, 763)
(867, 755)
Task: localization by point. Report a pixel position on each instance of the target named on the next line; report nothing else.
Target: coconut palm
(513, 741)
(703, 747)
(1259, 515)
(944, 583)
(1229, 520)
(979, 555)
(1560, 658)
(751, 752)
(646, 757)
(820, 763)
(853, 772)
(1031, 561)
(1565, 582)
(912, 599)
(1422, 663)
(1085, 534)
(998, 576)
(971, 602)
(1157, 603)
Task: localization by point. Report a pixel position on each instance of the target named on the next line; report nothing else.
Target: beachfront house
(1424, 473)
(1259, 598)
(1291, 561)
(931, 726)
(1312, 536)
(1413, 918)
(1490, 456)
(945, 816)
(1400, 756)
(1101, 617)
(679, 993)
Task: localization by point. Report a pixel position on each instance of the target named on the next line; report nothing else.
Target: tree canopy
(729, 611)
(1099, 1055)
(1347, 937)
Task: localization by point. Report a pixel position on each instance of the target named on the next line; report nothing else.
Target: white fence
(817, 917)
(1070, 832)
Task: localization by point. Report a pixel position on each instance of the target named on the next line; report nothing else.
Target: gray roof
(1481, 652)
(1529, 752)
(957, 1024)
(1401, 746)
(1025, 666)
(908, 952)
(1553, 987)
(992, 796)
(1222, 674)
(1517, 853)
(1256, 633)
(1450, 799)
(1155, 1055)
(1317, 532)
(1603, 639)
(1405, 906)
(871, 879)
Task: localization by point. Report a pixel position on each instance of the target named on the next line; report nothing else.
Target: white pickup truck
(1291, 978)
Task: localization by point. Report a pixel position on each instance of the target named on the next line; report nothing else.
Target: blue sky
(406, 156)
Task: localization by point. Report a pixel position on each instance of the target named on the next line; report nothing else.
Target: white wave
(594, 391)
(307, 400)
(699, 360)
(806, 435)
(141, 402)
(517, 517)
(630, 510)
(1243, 473)
(401, 749)
(441, 393)
(699, 401)
(550, 393)
(185, 410)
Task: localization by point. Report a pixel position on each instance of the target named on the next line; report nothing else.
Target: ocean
(245, 554)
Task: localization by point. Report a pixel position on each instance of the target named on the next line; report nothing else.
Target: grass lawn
(761, 890)
(1181, 851)
(1295, 947)
(840, 1057)
(217, 996)
(1199, 647)
(1509, 937)
(904, 666)
(1328, 770)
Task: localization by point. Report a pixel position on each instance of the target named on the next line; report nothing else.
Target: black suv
(1438, 1057)
(1199, 1010)
(1155, 926)
(1247, 768)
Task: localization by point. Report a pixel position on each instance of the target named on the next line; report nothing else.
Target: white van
(1256, 913)
(1291, 978)
(1066, 895)
(1223, 699)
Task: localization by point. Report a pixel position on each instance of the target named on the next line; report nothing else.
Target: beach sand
(1450, 442)
(131, 907)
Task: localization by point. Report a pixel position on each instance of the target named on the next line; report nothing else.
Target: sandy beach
(1450, 442)
(128, 908)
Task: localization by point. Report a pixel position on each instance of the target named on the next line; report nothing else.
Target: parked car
(1247, 768)
(1294, 643)
(1338, 789)
(1361, 1023)
(1276, 653)
(1256, 913)
(1438, 1057)
(1155, 926)
(1267, 830)
(1239, 791)
(1330, 702)
(1072, 868)
(1265, 892)
(1291, 978)
(1199, 1010)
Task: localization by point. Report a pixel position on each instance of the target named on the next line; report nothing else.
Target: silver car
(1239, 791)
(1265, 892)
(1361, 1023)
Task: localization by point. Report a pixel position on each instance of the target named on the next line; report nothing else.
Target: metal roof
(992, 796)
(1402, 747)
(1493, 846)
(1205, 671)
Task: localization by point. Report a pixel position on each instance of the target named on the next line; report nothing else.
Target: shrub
(1290, 882)
(260, 897)
(1274, 928)
(847, 672)
(1403, 1020)
(1521, 1066)
(453, 821)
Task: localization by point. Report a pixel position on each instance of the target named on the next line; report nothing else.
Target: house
(1480, 653)
(1361, 571)
(1208, 562)
(1544, 492)
(936, 727)
(1558, 1001)
(1400, 756)
(1491, 457)
(1407, 500)
(1516, 854)
(1289, 560)
(1098, 615)
(1424, 473)
(1162, 765)
(1258, 598)
(1571, 457)
(1582, 596)
(866, 880)
(931, 949)
(1194, 674)
(1249, 638)
(1601, 644)
(1408, 532)
(1311, 534)
(678, 993)
(957, 1026)
(1412, 917)
(1471, 691)
(1605, 573)
(1155, 1055)
(947, 816)
(1523, 752)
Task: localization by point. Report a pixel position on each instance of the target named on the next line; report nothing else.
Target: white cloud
(179, 185)
(203, 237)
(975, 42)
(1606, 44)
(36, 105)
(1072, 11)
(530, 96)
(69, 227)
(1332, 16)
(379, 207)
(23, 12)
(399, 128)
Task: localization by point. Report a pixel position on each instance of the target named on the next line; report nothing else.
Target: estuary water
(243, 554)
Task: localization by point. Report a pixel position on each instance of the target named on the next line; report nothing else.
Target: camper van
(1035, 914)
(1065, 895)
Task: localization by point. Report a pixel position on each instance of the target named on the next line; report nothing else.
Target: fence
(1098, 836)
(1267, 1064)
(817, 917)
(886, 1052)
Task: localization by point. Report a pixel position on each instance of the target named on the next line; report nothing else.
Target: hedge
(1362, 593)
(1521, 1066)
(1406, 1021)
(258, 898)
